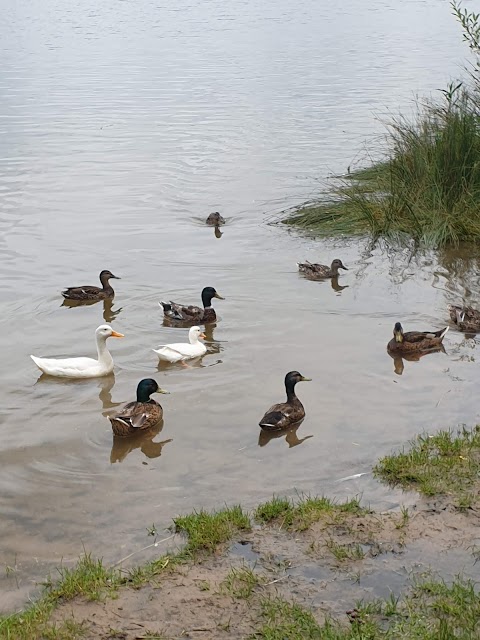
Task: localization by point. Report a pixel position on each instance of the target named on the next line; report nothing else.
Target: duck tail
(36, 361)
(444, 332)
(456, 313)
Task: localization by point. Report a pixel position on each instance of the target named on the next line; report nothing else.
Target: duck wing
(466, 318)
(278, 417)
(306, 266)
(137, 415)
(178, 311)
(66, 367)
(419, 336)
(313, 268)
(80, 292)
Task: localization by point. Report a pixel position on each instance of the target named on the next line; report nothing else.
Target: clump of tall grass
(428, 188)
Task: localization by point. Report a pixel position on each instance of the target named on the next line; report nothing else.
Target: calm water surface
(122, 125)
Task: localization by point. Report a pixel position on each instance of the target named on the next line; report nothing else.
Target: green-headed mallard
(415, 340)
(285, 414)
(466, 318)
(93, 293)
(82, 367)
(215, 219)
(141, 414)
(190, 314)
(318, 271)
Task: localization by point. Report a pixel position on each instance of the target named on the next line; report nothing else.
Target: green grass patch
(206, 530)
(445, 463)
(138, 576)
(432, 610)
(307, 510)
(286, 621)
(343, 552)
(428, 188)
(89, 579)
(241, 582)
(435, 610)
(274, 509)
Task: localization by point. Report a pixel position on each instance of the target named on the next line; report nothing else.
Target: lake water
(123, 124)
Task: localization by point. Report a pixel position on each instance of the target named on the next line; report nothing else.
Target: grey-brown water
(123, 125)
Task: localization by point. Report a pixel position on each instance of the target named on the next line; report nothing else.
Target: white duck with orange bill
(82, 367)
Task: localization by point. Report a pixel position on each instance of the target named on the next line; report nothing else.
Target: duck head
(208, 294)
(336, 265)
(107, 275)
(293, 377)
(398, 332)
(105, 331)
(194, 334)
(146, 387)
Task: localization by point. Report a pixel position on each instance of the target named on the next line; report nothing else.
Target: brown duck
(179, 313)
(285, 414)
(318, 271)
(215, 219)
(88, 292)
(415, 340)
(466, 318)
(140, 415)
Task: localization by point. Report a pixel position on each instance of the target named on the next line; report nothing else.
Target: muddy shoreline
(318, 555)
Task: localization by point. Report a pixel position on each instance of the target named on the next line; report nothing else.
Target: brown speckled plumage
(421, 341)
(183, 314)
(466, 318)
(316, 271)
(140, 415)
(88, 292)
(285, 414)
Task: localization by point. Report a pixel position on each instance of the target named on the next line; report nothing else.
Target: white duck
(82, 367)
(183, 350)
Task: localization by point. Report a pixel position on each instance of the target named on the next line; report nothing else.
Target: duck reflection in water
(121, 447)
(218, 233)
(290, 436)
(105, 385)
(109, 313)
(336, 286)
(398, 365)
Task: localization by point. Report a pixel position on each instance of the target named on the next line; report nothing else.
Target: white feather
(183, 351)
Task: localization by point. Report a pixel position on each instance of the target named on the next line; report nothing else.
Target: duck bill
(116, 277)
(217, 295)
(203, 336)
(303, 379)
(344, 267)
(398, 336)
(115, 334)
(162, 391)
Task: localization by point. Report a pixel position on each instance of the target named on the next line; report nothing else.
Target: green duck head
(207, 294)
(146, 387)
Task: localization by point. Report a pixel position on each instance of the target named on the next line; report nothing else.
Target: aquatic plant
(427, 187)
